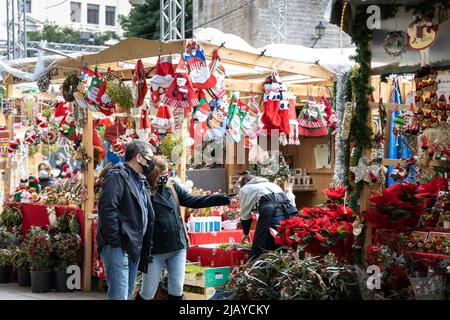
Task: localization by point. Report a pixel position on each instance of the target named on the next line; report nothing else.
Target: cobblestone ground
(12, 291)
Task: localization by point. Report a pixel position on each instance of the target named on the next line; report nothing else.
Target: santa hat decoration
(216, 68)
(293, 122)
(180, 93)
(163, 121)
(139, 84)
(154, 137)
(311, 121)
(67, 171)
(41, 121)
(164, 73)
(199, 72)
(13, 146)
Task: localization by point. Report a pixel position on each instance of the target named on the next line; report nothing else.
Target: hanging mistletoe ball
(395, 44)
(70, 86)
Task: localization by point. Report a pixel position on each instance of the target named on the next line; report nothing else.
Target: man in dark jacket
(126, 220)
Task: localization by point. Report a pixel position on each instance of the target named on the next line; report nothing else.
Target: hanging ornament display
(236, 114)
(311, 121)
(32, 137)
(250, 124)
(199, 72)
(283, 111)
(395, 44)
(162, 78)
(139, 84)
(13, 146)
(83, 86)
(144, 123)
(422, 33)
(362, 171)
(163, 121)
(329, 115)
(198, 125)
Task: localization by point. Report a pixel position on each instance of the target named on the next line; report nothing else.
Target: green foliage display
(143, 20)
(120, 94)
(11, 217)
(19, 259)
(5, 257)
(66, 250)
(172, 144)
(271, 169)
(39, 248)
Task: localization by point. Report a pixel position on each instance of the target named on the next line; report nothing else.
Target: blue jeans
(176, 265)
(120, 273)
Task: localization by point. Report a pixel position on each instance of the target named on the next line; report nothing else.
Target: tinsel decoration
(340, 169)
(346, 120)
(80, 115)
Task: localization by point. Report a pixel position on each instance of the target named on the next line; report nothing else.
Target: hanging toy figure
(144, 124)
(13, 146)
(180, 95)
(217, 120)
(199, 72)
(198, 124)
(139, 84)
(311, 121)
(270, 116)
(162, 79)
(163, 122)
(285, 128)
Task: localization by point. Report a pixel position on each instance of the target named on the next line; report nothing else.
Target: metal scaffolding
(278, 20)
(172, 14)
(16, 29)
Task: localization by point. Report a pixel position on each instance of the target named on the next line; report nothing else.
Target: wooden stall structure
(121, 58)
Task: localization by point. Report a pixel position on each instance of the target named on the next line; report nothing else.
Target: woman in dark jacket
(170, 238)
(45, 175)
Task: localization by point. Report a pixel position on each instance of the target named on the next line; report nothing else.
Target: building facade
(255, 22)
(89, 16)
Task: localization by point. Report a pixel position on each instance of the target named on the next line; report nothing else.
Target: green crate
(210, 277)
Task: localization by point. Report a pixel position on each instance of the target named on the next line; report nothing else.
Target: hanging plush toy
(180, 95)
(83, 86)
(270, 116)
(198, 124)
(293, 122)
(16, 195)
(139, 84)
(118, 147)
(104, 103)
(285, 128)
(236, 114)
(32, 137)
(329, 115)
(311, 121)
(198, 70)
(162, 79)
(217, 120)
(216, 68)
(41, 121)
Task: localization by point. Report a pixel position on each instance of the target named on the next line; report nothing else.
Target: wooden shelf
(303, 190)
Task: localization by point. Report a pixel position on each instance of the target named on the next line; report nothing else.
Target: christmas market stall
(191, 100)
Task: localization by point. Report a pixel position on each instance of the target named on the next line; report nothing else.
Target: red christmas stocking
(270, 117)
(284, 117)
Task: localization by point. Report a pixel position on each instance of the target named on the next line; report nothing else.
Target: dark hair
(246, 179)
(135, 147)
(161, 167)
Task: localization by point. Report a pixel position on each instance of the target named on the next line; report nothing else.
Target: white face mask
(58, 162)
(43, 174)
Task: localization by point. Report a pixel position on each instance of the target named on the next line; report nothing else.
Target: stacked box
(207, 282)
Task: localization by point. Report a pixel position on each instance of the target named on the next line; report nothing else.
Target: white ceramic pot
(446, 224)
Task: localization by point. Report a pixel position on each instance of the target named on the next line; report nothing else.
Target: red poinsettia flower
(319, 237)
(335, 193)
(432, 188)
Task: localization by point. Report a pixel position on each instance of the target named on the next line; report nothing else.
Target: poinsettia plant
(320, 230)
(398, 207)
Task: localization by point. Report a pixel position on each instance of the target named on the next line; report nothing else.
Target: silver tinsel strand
(339, 165)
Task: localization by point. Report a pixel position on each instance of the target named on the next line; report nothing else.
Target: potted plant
(446, 219)
(429, 219)
(5, 265)
(20, 263)
(38, 245)
(66, 251)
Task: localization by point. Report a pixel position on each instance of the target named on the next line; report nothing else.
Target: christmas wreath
(70, 86)
(395, 44)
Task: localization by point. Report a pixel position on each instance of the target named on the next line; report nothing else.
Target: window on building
(92, 13)
(110, 16)
(75, 11)
(28, 6)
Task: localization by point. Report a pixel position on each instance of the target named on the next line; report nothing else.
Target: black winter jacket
(120, 216)
(169, 234)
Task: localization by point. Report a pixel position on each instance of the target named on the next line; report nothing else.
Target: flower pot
(5, 274)
(61, 277)
(41, 281)
(24, 276)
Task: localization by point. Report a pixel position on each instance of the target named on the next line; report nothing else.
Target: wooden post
(88, 206)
